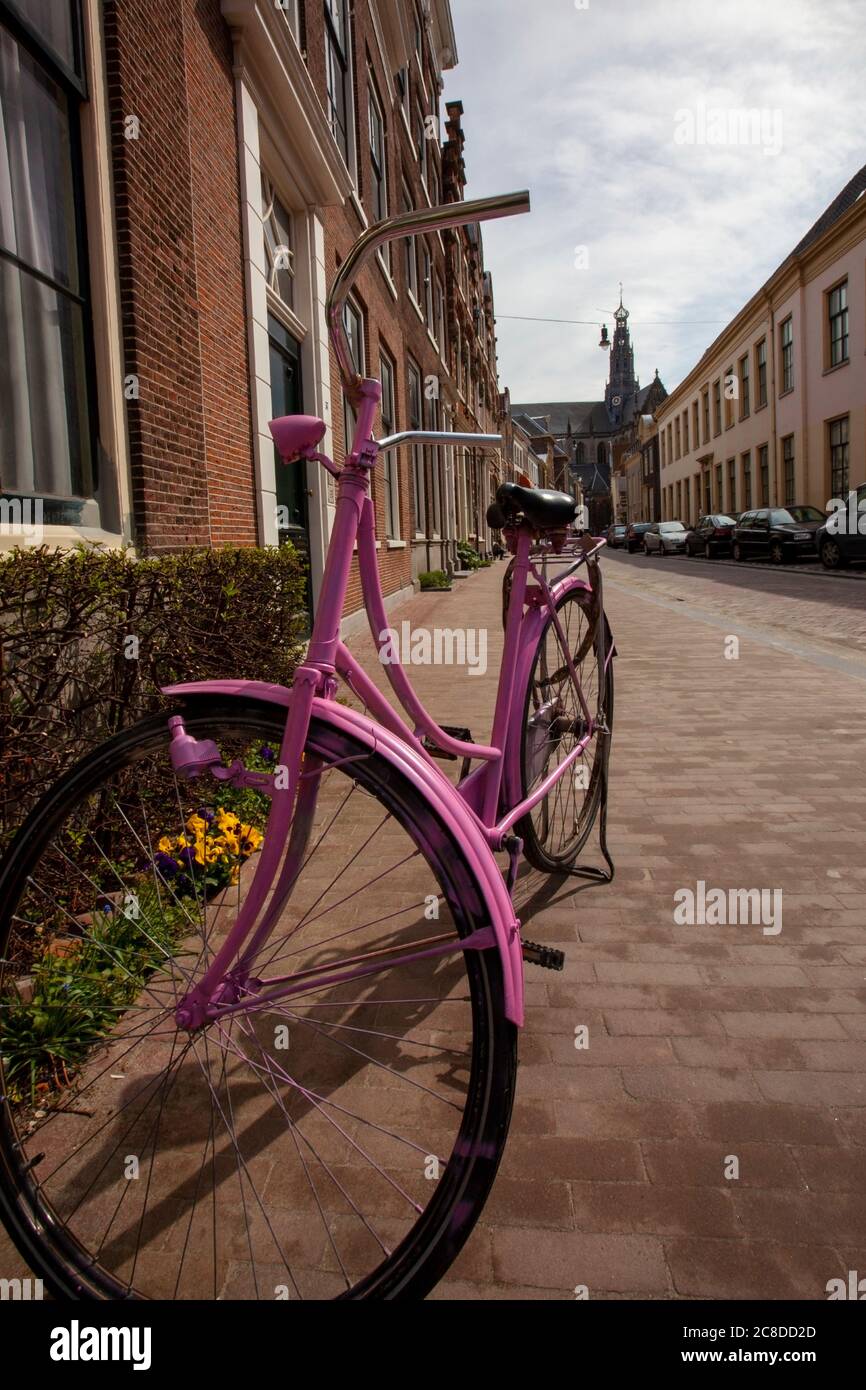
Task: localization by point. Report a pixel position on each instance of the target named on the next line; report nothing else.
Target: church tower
(622, 387)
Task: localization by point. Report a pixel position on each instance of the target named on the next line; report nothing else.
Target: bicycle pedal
(545, 956)
(462, 735)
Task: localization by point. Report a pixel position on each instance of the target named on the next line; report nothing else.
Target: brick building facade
(215, 160)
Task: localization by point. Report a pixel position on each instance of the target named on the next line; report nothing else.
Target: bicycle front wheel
(558, 826)
(337, 1143)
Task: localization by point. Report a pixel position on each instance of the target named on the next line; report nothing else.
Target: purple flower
(268, 754)
(205, 814)
(164, 864)
(187, 856)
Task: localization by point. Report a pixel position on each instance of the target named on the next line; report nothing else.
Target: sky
(621, 118)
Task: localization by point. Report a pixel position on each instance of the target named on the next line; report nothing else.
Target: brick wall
(180, 258)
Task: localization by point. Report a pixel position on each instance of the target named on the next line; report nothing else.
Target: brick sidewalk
(704, 1042)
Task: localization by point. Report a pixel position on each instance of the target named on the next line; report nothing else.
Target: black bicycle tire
(436, 1239)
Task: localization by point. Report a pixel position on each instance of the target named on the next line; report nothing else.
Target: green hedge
(87, 638)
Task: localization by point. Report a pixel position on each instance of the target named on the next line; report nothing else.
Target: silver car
(665, 538)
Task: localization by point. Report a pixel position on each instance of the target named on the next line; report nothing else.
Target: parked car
(616, 536)
(783, 533)
(840, 540)
(665, 538)
(711, 536)
(634, 535)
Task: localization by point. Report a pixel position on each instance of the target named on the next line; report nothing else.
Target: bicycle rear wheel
(337, 1144)
(558, 826)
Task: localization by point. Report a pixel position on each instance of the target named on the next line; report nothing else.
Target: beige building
(775, 411)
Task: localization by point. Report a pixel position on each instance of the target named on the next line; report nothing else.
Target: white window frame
(410, 249)
(357, 348)
(390, 467)
(274, 248)
(349, 155)
(416, 422)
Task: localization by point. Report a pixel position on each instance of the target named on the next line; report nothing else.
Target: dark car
(842, 539)
(783, 533)
(616, 536)
(665, 538)
(712, 535)
(634, 535)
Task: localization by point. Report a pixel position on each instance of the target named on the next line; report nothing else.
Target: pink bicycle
(261, 971)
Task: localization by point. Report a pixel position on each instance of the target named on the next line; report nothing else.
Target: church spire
(619, 396)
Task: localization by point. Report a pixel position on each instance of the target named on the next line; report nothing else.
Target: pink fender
(535, 621)
(454, 813)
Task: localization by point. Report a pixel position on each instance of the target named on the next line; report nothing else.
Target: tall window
(788, 470)
(677, 444)
(434, 463)
(421, 142)
(353, 322)
(732, 485)
(706, 402)
(387, 376)
(717, 407)
(279, 244)
(427, 287)
(839, 457)
(838, 310)
(410, 249)
(685, 431)
(747, 481)
(46, 382)
(696, 429)
(416, 423)
(337, 69)
(439, 332)
(378, 159)
(719, 486)
(729, 403)
(745, 401)
(786, 340)
(761, 371)
(764, 473)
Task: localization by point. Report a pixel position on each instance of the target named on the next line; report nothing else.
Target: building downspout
(778, 491)
(804, 414)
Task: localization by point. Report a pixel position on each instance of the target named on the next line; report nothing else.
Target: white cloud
(580, 107)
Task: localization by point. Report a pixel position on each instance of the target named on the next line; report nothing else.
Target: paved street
(712, 1049)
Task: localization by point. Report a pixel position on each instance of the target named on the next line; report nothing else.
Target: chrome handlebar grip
(404, 224)
(476, 441)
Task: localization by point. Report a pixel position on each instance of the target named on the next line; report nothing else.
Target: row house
(179, 183)
(775, 411)
(639, 473)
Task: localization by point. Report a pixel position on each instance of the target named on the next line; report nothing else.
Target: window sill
(788, 392)
(759, 408)
(828, 371)
(394, 544)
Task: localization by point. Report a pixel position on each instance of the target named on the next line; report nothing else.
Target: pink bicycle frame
(479, 813)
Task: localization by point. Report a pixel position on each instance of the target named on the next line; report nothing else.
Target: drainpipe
(774, 441)
(804, 414)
